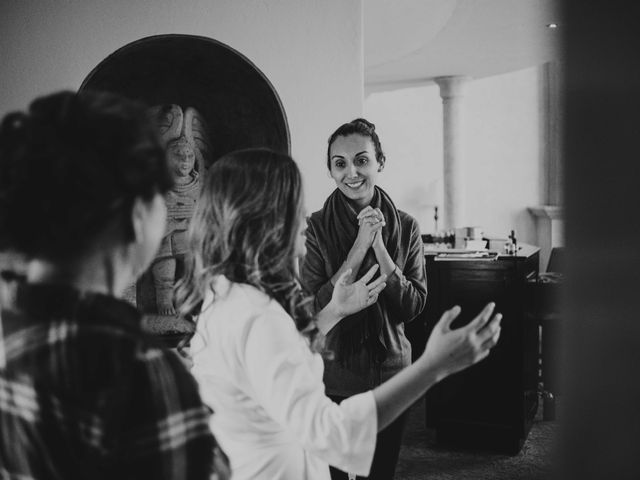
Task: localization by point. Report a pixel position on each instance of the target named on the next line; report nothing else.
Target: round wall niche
(239, 104)
(240, 109)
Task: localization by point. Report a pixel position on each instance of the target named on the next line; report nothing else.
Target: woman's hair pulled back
(71, 165)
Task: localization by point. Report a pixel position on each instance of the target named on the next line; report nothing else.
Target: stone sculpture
(184, 134)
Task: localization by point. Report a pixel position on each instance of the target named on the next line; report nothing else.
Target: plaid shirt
(84, 394)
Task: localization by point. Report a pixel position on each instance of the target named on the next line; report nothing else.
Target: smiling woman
(353, 166)
(358, 227)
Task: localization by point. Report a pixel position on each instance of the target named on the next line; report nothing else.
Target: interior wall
(504, 156)
(310, 51)
(409, 124)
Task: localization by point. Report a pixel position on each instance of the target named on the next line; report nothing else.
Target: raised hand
(349, 298)
(370, 212)
(375, 217)
(370, 221)
(453, 350)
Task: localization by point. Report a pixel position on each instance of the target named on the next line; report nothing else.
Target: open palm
(349, 298)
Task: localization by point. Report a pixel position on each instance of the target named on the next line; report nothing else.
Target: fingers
(342, 279)
(447, 317)
(377, 229)
(492, 341)
(372, 221)
(365, 211)
(371, 216)
(489, 335)
(372, 299)
(370, 213)
(370, 273)
(375, 292)
(482, 318)
(491, 326)
(482, 356)
(377, 285)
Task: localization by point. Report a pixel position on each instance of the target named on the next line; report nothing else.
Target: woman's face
(354, 167)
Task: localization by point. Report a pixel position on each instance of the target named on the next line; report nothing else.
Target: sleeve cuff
(395, 280)
(362, 413)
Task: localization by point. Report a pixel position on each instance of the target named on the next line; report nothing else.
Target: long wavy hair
(245, 227)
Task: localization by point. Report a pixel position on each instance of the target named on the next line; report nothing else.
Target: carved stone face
(182, 158)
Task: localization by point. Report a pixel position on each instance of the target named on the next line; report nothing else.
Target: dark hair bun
(365, 123)
(69, 166)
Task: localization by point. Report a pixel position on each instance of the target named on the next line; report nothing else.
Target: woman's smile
(355, 185)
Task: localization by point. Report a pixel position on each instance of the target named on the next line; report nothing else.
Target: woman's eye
(362, 160)
(339, 164)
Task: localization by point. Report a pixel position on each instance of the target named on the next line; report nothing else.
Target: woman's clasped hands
(370, 221)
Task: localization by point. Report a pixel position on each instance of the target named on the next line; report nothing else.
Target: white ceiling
(409, 42)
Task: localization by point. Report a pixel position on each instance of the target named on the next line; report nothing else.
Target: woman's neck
(359, 204)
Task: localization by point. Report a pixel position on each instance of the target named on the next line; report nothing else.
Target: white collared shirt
(272, 417)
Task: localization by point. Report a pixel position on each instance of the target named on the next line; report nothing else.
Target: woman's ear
(381, 165)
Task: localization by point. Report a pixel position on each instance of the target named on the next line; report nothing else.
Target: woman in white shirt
(255, 347)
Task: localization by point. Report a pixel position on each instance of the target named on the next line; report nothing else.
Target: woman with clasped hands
(358, 226)
(256, 344)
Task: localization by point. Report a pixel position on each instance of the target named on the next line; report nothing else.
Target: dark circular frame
(239, 103)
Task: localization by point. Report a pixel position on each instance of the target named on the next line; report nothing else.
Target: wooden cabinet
(489, 406)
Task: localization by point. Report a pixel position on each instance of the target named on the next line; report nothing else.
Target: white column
(452, 91)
